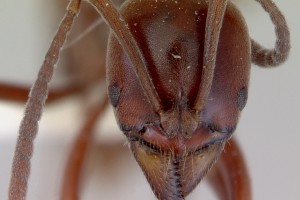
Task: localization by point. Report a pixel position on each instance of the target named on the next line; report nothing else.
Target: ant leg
(73, 169)
(272, 57)
(76, 60)
(20, 94)
(229, 177)
(34, 107)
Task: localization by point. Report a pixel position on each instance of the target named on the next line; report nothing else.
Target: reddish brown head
(176, 144)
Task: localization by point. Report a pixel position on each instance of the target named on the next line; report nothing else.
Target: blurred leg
(229, 177)
(71, 182)
(20, 94)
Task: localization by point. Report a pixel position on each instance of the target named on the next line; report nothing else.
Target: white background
(268, 131)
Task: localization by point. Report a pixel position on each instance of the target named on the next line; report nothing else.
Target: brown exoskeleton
(177, 76)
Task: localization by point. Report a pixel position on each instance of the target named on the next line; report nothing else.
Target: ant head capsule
(171, 38)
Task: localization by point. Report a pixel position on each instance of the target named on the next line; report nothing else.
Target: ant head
(185, 134)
